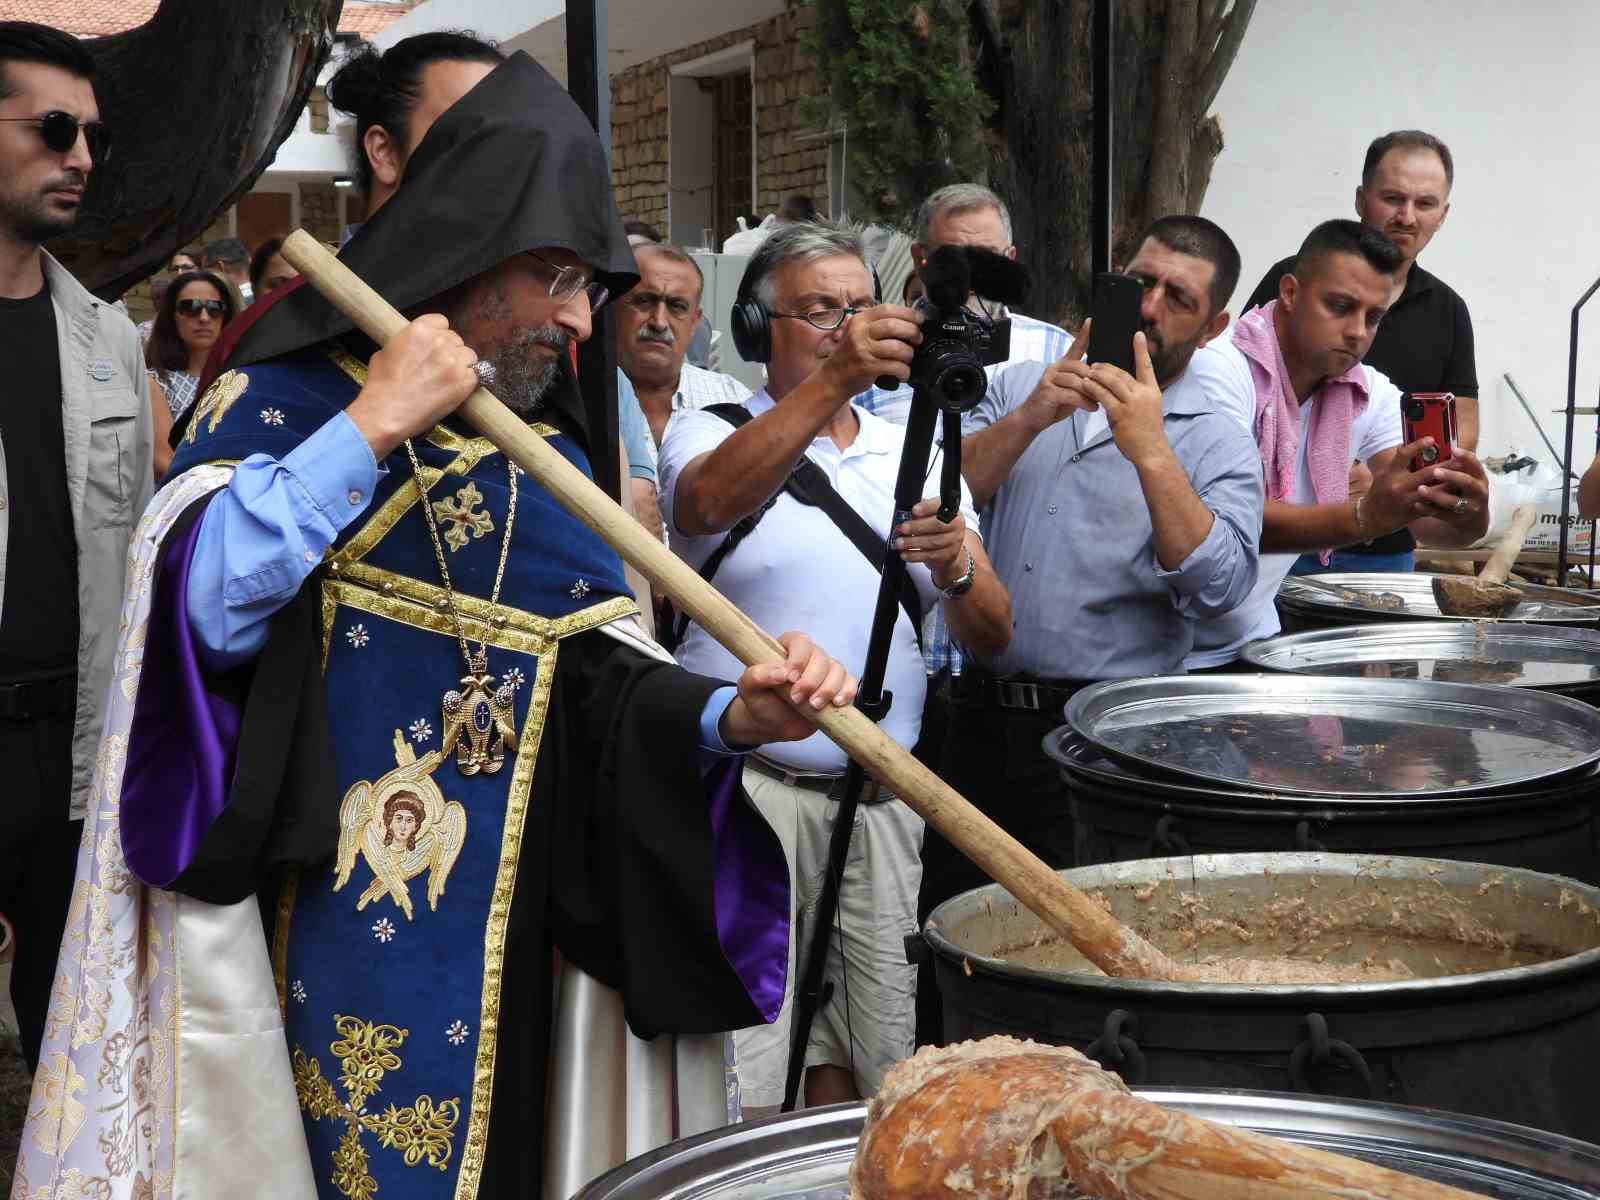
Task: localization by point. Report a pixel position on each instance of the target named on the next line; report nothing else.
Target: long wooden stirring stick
(1101, 939)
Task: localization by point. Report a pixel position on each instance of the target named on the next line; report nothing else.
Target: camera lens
(961, 385)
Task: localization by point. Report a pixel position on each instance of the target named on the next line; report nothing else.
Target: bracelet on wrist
(1361, 533)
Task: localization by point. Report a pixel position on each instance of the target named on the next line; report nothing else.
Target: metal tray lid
(1082, 762)
(1410, 597)
(1327, 736)
(807, 1155)
(1514, 654)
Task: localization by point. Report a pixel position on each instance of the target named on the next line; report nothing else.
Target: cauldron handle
(1115, 1046)
(1321, 1049)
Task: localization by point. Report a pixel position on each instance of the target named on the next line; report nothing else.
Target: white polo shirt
(797, 571)
(1224, 372)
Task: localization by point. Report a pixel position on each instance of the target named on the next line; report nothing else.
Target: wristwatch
(963, 585)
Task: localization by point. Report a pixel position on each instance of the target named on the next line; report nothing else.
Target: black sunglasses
(59, 130)
(191, 307)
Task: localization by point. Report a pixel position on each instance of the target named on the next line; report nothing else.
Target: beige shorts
(873, 1006)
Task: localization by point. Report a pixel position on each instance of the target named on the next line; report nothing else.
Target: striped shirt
(1031, 341)
(697, 389)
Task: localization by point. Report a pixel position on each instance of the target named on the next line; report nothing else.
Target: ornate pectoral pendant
(480, 722)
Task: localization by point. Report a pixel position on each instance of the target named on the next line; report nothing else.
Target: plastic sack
(747, 240)
(1538, 484)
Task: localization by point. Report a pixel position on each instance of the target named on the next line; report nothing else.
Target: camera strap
(807, 483)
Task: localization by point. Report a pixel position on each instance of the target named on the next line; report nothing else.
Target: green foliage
(898, 77)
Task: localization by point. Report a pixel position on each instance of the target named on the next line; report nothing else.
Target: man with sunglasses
(808, 295)
(350, 602)
(76, 439)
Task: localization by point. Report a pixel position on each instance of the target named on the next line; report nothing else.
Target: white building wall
(1513, 90)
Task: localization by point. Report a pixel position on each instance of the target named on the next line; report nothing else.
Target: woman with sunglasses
(191, 316)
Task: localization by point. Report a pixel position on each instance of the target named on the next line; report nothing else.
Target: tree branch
(1202, 157)
(1227, 47)
(1213, 15)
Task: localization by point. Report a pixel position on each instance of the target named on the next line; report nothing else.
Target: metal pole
(1100, 218)
(1532, 416)
(589, 83)
(1572, 414)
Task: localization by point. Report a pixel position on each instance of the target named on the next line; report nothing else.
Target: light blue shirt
(634, 431)
(1070, 535)
(263, 535)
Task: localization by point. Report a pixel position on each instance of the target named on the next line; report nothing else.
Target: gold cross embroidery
(460, 519)
(366, 1052)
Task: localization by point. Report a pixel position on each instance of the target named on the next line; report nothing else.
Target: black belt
(831, 786)
(1017, 693)
(38, 698)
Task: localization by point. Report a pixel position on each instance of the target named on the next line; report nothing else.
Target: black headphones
(751, 320)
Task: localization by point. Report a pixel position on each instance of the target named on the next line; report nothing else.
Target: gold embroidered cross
(460, 518)
(366, 1052)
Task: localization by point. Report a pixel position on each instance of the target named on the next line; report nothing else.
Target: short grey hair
(801, 241)
(960, 198)
(677, 254)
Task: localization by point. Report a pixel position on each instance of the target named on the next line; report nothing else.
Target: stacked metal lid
(1314, 735)
(1550, 657)
(1353, 598)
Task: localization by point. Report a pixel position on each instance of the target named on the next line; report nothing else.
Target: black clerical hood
(512, 166)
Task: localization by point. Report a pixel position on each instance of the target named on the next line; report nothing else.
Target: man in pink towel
(1317, 409)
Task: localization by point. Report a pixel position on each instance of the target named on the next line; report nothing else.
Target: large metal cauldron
(1551, 826)
(1519, 1043)
(807, 1156)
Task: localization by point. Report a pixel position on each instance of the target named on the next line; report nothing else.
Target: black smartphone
(1115, 316)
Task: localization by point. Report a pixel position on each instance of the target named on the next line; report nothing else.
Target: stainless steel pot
(1514, 1042)
(807, 1156)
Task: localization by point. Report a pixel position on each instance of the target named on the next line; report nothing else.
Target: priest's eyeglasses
(567, 282)
(59, 131)
(825, 319)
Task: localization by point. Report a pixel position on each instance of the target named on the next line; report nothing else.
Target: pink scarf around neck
(1339, 401)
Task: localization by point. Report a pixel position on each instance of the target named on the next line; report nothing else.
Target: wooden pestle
(1099, 937)
(1486, 594)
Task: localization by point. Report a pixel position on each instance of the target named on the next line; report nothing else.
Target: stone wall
(783, 76)
(319, 211)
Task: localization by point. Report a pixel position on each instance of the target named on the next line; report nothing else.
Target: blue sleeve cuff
(1197, 572)
(711, 741)
(336, 468)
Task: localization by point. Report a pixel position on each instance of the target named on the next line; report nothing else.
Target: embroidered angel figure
(402, 825)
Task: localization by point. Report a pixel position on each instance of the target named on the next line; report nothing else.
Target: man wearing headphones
(806, 309)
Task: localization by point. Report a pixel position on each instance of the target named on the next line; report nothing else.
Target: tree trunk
(188, 143)
(1170, 57)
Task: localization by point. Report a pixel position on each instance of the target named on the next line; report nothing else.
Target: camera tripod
(927, 411)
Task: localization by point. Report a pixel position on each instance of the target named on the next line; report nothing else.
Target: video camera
(958, 343)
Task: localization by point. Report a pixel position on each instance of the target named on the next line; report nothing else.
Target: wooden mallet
(1098, 936)
(1487, 594)
(1000, 1118)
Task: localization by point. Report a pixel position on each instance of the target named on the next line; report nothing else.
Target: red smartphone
(1429, 414)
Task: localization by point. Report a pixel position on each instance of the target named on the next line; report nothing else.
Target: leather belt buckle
(1012, 694)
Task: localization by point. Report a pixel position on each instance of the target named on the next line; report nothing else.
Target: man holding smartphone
(1119, 508)
(1316, 406)
(1425, 343)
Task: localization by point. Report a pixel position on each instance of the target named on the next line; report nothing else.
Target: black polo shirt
(1423, 344)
